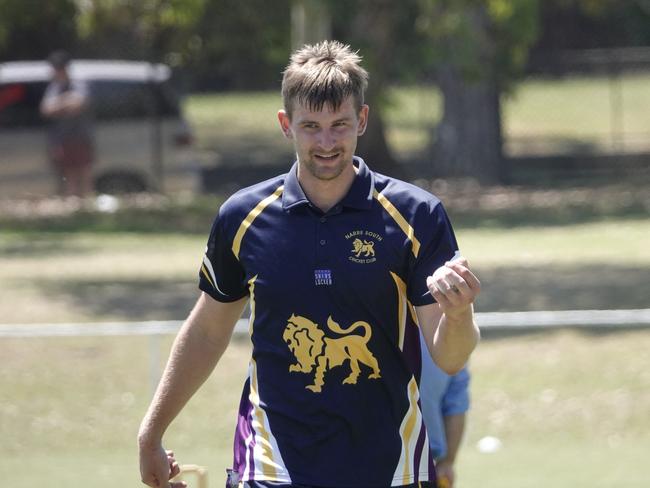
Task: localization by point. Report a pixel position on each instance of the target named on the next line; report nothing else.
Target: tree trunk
(375, 22)
(373, 146)
(468, 141)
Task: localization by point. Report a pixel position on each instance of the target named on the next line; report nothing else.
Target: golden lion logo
(367, 248)
(312, 348)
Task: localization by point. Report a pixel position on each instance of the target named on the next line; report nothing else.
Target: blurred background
(530, 119)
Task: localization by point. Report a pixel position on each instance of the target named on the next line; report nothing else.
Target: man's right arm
(197, 348)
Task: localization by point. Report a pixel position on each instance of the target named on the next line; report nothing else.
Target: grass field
(570, 409)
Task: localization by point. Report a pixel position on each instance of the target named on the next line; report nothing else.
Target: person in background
(66, 104)
(445, 402)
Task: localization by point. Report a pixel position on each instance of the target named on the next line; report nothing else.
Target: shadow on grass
(530, 217)
(41, 247)
(602, 332)
(129, 300)
(504, 289)
(563, 288)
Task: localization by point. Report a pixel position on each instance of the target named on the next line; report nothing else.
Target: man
(70, 145)
(339, 265)
(445, 401)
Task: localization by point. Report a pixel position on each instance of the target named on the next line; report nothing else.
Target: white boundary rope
(155, 330)
(487, 321)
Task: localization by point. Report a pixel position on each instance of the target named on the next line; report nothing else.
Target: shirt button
(323, 242)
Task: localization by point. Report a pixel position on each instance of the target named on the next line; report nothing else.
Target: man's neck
(324, 194)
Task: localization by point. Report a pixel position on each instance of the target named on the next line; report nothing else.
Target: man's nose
(326, 139)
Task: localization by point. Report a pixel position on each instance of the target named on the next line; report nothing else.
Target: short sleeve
(221, 275)
(437, 246)
(456, 398)
(51, 92)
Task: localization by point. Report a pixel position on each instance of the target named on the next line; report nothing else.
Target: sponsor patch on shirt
(322, 277)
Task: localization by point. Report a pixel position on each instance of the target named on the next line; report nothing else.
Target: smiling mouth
(327, 157)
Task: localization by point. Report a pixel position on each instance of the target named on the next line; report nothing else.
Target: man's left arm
(448, 325)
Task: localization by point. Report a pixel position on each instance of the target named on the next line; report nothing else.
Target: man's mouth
(327, 156)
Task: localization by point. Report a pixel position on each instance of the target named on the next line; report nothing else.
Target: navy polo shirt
(332, 397)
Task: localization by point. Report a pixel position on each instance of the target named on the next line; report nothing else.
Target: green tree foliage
(30, 29)
(159, 30)
(584, 24)
(240, 45)
(449, 26)
(220, 43)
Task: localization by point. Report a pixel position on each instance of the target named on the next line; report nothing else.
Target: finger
(440, 297)
(466, 275)
(446, 294)
(437, 285)
(454, 299)
(448, 283)
(466, 293)
(444, 287)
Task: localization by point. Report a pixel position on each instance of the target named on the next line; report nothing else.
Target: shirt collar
(358, 196)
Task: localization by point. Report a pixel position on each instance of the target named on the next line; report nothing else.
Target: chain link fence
(581, 114)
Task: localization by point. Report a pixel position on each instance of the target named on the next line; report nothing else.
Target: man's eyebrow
(345, 118)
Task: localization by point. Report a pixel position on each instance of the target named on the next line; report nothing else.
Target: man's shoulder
(404, 195)
(248, 198)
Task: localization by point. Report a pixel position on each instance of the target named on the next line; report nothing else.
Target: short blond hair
(322, 74)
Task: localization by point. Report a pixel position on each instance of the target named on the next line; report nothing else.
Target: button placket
(322, 237)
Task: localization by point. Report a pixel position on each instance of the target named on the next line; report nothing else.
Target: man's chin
(325, 170)
(328, 174)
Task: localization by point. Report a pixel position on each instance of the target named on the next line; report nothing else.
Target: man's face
(325, 140)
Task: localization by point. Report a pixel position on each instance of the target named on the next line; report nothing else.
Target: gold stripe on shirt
(402, 309)
(252, 215)
(400, 220)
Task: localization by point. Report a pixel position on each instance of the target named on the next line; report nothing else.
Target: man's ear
(363, 119)
(285, 124)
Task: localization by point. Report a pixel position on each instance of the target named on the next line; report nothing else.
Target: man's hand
(454, 287)
(158, 466)
(445, 474)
